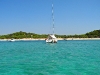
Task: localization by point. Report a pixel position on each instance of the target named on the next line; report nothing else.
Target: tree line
(21, 34)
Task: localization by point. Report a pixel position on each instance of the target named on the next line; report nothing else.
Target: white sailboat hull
(51, 40)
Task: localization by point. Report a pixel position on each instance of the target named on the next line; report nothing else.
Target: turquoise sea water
(40, 58)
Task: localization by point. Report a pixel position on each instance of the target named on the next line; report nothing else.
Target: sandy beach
(82, 39)
(32, 39)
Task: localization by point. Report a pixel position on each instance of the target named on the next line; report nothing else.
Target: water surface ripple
(40, 58)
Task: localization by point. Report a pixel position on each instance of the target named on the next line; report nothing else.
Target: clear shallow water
(40, 58)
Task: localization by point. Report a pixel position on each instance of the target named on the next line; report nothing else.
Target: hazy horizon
(71, 16)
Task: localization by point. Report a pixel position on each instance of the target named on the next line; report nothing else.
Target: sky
(35, 16)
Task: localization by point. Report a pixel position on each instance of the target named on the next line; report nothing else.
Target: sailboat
(51, 37)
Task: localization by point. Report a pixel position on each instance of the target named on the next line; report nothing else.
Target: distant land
(21, 35)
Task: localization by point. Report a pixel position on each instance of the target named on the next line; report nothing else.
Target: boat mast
(53, 16)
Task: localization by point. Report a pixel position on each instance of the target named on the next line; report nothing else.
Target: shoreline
(32, 39)
(83, 39)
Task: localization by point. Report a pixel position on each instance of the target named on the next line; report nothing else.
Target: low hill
(93, 34)
(21, 34)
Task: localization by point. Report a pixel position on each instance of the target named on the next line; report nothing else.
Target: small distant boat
(11, 40)
(52, 38)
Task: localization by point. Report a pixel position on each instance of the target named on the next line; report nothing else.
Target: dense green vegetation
(20, 35)
(92, 34)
